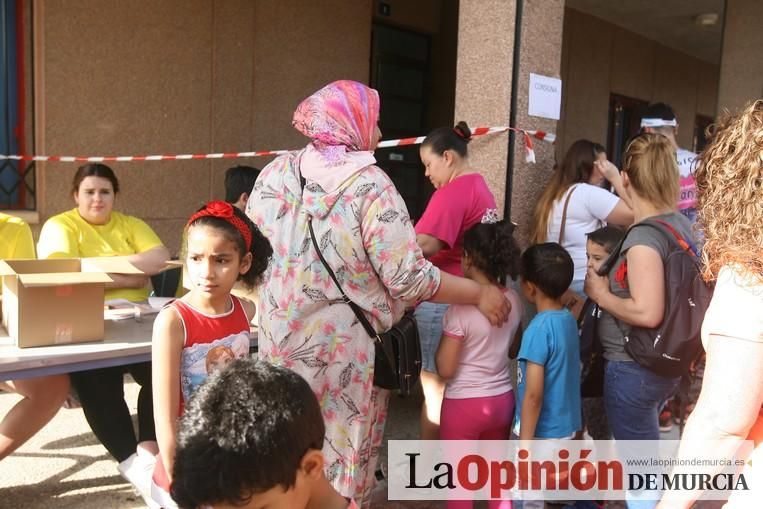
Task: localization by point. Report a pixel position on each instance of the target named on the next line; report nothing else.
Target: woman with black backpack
(635, 299)
(633, 293)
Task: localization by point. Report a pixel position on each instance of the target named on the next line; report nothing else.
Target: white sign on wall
(545, 96)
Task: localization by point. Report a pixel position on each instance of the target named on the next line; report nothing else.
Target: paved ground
(64, 466)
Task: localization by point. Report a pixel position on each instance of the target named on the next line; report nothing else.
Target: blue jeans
(429, 321)
(633, 397)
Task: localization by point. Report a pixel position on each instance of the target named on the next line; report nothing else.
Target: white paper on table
(158, 303)
(123, 309)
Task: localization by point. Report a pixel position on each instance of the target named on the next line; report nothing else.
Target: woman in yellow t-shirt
(93, 229)
(43, 396)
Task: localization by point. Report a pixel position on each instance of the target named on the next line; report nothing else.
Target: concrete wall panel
(233, 87)
(585, 83)
(632, 68)
(483, 85)
(541, 53)
(675, 83)
(126, 78)
(741, 63)
(707, 88)
(144, 77)
(300, 47)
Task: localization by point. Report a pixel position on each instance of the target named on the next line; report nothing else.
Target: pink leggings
(487, 418)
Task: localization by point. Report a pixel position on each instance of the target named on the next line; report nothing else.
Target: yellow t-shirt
(15, 239)
(67, 235)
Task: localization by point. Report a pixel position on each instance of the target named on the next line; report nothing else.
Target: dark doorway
(624, 122)
(400, 62)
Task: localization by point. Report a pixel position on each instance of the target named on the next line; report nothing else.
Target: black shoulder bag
(397, 363)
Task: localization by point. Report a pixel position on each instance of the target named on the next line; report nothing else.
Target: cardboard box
(50, 302)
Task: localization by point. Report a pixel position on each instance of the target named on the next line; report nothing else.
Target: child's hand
(596, 286)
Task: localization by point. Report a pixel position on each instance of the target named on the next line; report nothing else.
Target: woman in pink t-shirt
(462, 198)
(473, 356)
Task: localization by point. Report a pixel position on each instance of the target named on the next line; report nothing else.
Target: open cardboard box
(57, 301)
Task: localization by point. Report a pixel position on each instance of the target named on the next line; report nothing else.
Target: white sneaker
(138, 470)
(161, 497)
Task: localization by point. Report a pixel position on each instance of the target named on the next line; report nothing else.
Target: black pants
(101, 393)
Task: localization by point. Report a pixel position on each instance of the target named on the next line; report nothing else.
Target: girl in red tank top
(206, 329)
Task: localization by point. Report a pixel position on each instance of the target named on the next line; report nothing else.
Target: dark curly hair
(261, 249)
(244, 431)
(493, 250)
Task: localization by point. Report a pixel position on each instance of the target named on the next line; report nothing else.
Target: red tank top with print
(211, 342)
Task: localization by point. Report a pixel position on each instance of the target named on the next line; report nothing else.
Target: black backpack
(670, 348)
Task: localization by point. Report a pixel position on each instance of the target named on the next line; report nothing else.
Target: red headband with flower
(224, 211)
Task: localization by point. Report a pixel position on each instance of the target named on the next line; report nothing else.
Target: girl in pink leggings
(473, 356)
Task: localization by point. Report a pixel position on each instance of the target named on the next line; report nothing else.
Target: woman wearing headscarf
(362, 227)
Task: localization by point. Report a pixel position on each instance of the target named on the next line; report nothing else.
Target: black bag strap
(355, 308)
(674, 238)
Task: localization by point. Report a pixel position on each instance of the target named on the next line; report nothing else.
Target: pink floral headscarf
(341, 120)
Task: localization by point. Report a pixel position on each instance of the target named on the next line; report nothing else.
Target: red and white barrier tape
(479, 131)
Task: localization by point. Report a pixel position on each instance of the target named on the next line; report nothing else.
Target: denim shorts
(429, 320)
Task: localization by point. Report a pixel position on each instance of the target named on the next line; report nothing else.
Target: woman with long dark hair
(574, 204)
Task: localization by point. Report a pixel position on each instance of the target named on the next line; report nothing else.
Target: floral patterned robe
(366, 235)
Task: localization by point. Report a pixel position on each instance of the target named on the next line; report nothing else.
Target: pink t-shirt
(452, 210)
(483, 370)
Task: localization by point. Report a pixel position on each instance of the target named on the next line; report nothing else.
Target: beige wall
(601, 58)
(741, 60)
(483, 91)
(541, 53)
(180, 76)
(485, 45)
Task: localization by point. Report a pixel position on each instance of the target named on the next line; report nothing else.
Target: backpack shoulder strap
(614, 255)
(675, 238)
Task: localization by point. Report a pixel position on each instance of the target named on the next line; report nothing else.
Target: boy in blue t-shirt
(548, 379)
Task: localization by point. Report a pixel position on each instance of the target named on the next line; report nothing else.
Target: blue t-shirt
(551, 340)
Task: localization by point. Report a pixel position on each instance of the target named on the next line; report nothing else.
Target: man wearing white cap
(660, 118)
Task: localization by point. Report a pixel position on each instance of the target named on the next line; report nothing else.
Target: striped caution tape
(479, 131)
